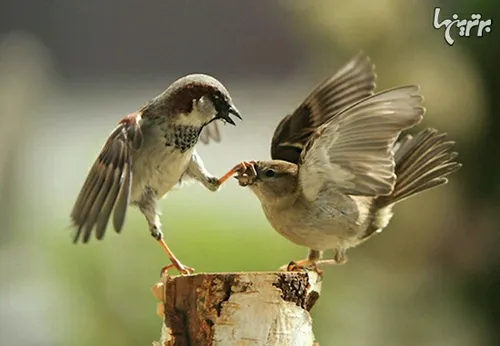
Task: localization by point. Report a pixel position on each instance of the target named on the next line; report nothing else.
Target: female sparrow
(336, 168)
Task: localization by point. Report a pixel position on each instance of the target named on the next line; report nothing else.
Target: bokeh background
(69, 70)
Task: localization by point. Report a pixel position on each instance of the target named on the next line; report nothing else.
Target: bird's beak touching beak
(225, 115)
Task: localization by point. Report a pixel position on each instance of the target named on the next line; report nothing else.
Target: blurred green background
(69, 70)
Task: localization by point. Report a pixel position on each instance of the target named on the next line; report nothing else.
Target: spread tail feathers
(422, 162)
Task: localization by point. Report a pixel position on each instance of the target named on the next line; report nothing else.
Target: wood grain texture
(219, 309)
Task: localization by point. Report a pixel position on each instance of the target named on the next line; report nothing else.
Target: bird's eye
(270, 173)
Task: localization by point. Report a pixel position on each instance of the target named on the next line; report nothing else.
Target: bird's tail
(422, 162)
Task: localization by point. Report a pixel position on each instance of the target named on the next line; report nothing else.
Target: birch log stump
(237, 309)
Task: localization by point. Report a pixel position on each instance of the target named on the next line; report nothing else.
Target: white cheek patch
(203, 111)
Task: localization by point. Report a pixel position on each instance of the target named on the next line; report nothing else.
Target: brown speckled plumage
(150, 152)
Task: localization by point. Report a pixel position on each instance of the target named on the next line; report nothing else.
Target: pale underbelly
(338, 233)
(159, 170)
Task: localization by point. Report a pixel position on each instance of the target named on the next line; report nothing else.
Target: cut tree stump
(237, 309)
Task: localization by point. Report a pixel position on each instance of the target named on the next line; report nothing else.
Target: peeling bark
(219, 309)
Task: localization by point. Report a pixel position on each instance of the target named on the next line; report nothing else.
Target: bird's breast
(182, 137)
(158, 165)
(316, 225)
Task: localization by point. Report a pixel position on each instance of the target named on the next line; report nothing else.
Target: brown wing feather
(354, 150)
(422, 162)
(352, 83)
(107, 187)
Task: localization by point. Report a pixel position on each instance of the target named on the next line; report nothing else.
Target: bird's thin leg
(339, 258)
(197, 171)
(183, 269)
(240, 167)
(148, 207)
(310, 262)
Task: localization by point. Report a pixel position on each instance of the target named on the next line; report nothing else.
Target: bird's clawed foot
(314, 261)
(246, 167)
(181, 268)
(240, 168)
(302, 265)
(246, 173)
(184, 270)
(339, 258)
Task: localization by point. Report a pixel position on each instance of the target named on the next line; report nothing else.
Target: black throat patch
(182, 137)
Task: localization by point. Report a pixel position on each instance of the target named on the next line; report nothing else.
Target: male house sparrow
(336, 168)
(150, 152)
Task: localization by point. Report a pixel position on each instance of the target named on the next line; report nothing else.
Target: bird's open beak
(225, 115)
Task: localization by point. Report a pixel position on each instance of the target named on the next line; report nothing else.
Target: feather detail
(353, 82)
(354, 149)
(108, 183)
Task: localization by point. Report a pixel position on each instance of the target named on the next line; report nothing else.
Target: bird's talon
(182, 269)
(251, 165)
(240, 169)
(244, 166)
(165, 269)
(317, 270)
(185, 270)
(294, 267)
(302, 266)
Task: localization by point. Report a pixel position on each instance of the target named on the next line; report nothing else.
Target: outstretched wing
(353, 82)
(107, 187)
(210, 132)
(354, 150)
